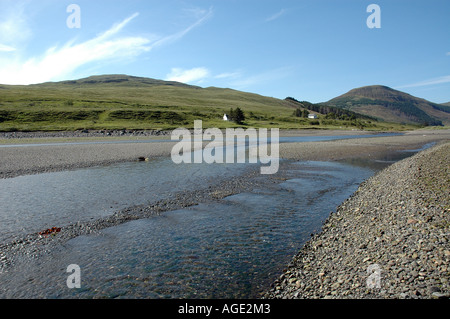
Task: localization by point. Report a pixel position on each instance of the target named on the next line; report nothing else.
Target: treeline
(330, 112)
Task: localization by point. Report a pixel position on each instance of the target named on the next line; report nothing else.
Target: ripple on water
(233, 248)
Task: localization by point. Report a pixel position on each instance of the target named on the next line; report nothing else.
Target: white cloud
(447, 54)
(434, 81)
(187, 76)
(6, 48)
(276, 15)
(58, 63)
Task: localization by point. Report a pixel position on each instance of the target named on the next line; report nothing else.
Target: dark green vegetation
(390, 105)
(126, 102)
(237, 115)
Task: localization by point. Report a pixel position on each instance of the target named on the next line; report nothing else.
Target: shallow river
(232, 248)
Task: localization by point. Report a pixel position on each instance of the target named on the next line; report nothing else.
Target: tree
(237, 115)
(305, 113)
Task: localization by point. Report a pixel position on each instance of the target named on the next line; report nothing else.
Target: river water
(229, 248)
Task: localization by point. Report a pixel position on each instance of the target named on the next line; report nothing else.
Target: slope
(122, 101)
(391, 105)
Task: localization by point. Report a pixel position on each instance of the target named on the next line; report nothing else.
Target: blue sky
(309, 49)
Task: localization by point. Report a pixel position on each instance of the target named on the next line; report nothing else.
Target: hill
(117, 80)
(127, 102)
(115, 102)
(391, 105)
(122, 101)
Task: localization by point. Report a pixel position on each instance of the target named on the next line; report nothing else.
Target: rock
(439, 295)
(395, 220)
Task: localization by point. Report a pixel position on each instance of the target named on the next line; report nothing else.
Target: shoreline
(154, 133)
(330, 150)
(395, 226)
(34, 159)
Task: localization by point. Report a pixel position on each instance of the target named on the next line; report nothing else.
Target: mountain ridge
(118, 79)
(391, 105)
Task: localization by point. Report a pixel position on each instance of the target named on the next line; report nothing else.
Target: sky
(311, 50)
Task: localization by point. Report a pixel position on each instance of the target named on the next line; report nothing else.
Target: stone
(439, 295)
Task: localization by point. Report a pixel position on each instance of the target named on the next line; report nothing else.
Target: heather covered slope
(392, 106)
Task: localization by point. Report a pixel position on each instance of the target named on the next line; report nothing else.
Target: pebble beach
(395, 226)
(391, 239)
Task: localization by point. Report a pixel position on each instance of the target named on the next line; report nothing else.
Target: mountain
(391, 105)
(446, 104)
(118, 80)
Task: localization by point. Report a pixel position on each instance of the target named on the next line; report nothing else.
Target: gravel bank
(370, 147)
(82, 134)
(36, 159)
(25, 160)
(28, 160)
(391, 239)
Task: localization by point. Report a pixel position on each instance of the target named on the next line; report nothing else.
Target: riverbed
(230, 247)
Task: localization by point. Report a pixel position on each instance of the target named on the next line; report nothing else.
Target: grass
(142, 106)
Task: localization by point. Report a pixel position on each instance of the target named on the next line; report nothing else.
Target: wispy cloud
(14, 28)
(434, 81)
(59, 62)
(276, 15)
(204, 15)
(194, 75)
(447, 54)
(228, 75)
(6, 48)
(244, 82)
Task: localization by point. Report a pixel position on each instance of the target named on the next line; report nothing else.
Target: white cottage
(225, 117)
(312, 116)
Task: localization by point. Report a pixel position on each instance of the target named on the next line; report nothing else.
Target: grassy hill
(391, 105)
(127, 102)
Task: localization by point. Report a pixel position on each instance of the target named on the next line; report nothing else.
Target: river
(229, 248)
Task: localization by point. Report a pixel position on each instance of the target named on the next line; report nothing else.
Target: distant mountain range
(391, 105)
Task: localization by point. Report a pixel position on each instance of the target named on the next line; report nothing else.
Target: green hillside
(126, 102)
(390, 105)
